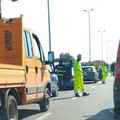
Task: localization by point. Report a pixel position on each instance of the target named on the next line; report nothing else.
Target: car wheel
(44, 104)
(95, 81)
(58, 87)
(55, 94)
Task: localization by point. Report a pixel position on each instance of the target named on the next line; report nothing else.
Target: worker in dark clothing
(113, 68)
(60, 71)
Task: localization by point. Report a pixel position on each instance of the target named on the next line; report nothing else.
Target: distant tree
(66, 58)
(85, 63)
(98, 62)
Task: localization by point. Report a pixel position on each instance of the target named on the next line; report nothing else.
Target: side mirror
(51, 56)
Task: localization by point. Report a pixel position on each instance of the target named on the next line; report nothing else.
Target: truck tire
(11, 111)
(44, 104)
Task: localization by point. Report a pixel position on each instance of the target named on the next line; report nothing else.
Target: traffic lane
(107, 111)
(106, 114)
(25, 112)
(66, 106)
(32, 111)
(97, 106)
(29, 112)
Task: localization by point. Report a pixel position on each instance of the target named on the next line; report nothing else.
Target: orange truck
(24, 76)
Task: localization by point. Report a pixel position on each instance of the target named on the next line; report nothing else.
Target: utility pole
(49, 25)
(88, 11)
(102, 43)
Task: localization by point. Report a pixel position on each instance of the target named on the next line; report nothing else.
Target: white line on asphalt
(44, 116)
(74, 98)
(93, 87)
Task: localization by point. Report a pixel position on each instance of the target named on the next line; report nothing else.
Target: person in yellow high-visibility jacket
(78, 77)
(104, 73)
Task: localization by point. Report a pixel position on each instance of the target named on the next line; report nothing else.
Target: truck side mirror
(50, 56)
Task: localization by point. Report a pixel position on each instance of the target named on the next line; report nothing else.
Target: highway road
(97, 106)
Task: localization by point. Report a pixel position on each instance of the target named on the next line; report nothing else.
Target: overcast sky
(69, 25)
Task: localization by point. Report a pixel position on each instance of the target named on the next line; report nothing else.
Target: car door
(30, 67)
(39, 66)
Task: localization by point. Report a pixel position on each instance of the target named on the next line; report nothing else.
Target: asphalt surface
(97, 106)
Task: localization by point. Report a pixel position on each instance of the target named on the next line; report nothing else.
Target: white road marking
(44, 116)
(93, 87)
(80, 94)
(74, 98)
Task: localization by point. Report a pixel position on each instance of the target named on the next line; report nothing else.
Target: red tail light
(117, 66)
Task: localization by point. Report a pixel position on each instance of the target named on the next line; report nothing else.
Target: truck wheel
(44, 104)
(11, 110)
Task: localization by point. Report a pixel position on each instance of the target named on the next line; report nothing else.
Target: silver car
(54, 82)
(90, 74)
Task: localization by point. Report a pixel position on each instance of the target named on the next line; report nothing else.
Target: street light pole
(107, 48)
(49, 25)
(102, 43)
(88, 11)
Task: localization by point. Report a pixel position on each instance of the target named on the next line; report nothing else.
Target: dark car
(116, 86)
(90, 73)
(68, 82)
(54, 82)
(65, 76)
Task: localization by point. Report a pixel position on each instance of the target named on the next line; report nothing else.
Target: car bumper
(89, 78)
(68, 86)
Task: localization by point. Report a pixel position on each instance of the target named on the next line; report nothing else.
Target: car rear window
(87, 69)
